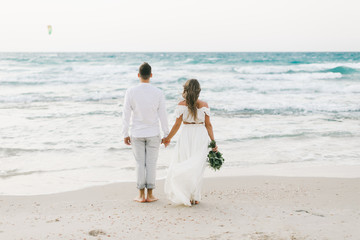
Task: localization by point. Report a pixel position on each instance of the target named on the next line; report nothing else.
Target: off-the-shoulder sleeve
(207, 111)
(179, 111)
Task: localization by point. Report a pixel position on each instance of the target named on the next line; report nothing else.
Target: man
(146, 103)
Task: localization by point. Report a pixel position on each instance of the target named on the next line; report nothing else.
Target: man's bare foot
(151, 199)
(140, 199)
(150, 196)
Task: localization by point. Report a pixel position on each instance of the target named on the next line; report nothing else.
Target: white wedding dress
(184, 178)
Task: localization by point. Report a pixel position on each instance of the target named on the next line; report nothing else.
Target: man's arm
(163, 115)
(126, 118)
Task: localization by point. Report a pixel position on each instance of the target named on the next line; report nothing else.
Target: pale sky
(181, 25)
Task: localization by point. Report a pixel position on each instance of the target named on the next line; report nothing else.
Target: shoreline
(279, 170)
(246, 207)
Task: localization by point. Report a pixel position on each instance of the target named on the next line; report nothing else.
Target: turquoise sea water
(60, 113)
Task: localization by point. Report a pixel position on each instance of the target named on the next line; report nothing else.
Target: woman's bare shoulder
(202, 104)
(182, 103)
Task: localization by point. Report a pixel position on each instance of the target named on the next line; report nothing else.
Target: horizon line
(180, 51)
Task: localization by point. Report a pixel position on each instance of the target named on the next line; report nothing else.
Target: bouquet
(215, 159)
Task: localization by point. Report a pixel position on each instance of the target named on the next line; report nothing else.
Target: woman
(184, 179)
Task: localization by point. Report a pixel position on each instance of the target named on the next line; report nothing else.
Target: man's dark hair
(145, 70)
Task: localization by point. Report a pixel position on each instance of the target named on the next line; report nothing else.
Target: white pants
(146, 151)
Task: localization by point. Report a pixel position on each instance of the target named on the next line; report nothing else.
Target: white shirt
(147, 105)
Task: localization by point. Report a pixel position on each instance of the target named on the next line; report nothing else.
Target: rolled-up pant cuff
(150, 186)
(140, 186)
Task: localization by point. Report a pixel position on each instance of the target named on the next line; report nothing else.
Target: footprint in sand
(96, 232)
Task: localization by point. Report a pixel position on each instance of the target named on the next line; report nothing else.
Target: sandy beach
(249, 207)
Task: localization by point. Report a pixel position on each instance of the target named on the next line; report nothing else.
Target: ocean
(60, 113)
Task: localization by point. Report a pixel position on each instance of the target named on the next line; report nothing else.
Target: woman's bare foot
(193, 202)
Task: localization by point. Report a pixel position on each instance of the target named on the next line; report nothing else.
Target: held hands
(165, 141)
(127, 141)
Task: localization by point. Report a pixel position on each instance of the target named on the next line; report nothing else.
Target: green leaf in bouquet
(212, 144)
